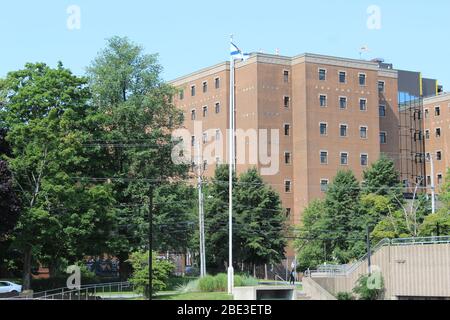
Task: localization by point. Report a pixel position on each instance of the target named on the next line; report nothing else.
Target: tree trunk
(26, 277)
(265, 272)
(254, 270)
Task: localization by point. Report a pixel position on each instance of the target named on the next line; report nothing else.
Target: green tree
(44, 111)
(437, 224)
(260, 221)
(342, 209)
(382, 178)
(9, 202)
(131, 119)
(175, 217)
(140, 277)
(216, 218)
(311, 241)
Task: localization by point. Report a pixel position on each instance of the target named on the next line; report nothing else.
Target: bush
(161, 271)
(345, 296)
(219, 283)
(370, 287)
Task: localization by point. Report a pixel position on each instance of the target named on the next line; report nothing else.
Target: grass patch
(202, 296)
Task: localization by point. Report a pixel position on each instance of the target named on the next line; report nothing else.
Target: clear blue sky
(190, 35)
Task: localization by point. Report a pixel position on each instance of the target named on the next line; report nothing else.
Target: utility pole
(433, 187)
(369, 253)
(150, 241)
(201, 218)
(231, 162)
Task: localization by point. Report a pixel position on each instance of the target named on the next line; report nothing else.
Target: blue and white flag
(237, 53)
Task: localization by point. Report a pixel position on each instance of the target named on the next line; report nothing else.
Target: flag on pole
(237, 53)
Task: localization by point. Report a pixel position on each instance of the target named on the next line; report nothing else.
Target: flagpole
(230, 177)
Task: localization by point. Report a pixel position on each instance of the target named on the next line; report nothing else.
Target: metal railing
(85, 292)
(347, 269)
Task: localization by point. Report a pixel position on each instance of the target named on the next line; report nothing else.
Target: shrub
(345, 296)
(370, 287)
(219, 283)
(161, 271)
(207, 284)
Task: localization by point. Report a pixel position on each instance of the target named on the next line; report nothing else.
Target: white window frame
(290, 185)
(437, 178)
(320, 157)
(339, 77)
(386, 136)
(284, 129)
(384, 86)
(327, 184)
(215, 82)
(203, 111)
(326, 129)
(284, 102)
(384, 107)
(346, 102)
(193, 91)
(365, 79)
(367, 132)
(437, 154)
(427, 134)
(359, 104)
(203, 86)
(360, 159)
(326, 100)
(290, 158)
(326, 73)
(340, 158)
(194, 112)
(440, 133)
(346, 130)
(215, 107)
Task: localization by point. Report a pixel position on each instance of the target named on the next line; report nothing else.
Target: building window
(324, 185)
(343, 102)
(323, 129)
(205, 138)
(286, 76)
(343, 130)
(193, 141)
(181, 94)
(439, 178)
(344, 158)
(427, 113)
(439, 155)
(322, 74)
(363, 132)
(286, 101)
(323, 157)
(288, 213)
(287, 158)
(362, 79)
(217, 161)
(192, 91)
(217, 107)
(382, 110)
(287, 186)
(193, 115)
(217, 135)
(381, 86)
(342, 76)
(205, 111)
(205, 165)
(437, 111)
(364, 160)
(287, 129)
(217, 83)
(427, 134)
(323, 100)
(362, 104)
(438, 132)
(205, 87)
(383, 137)
(428, 180)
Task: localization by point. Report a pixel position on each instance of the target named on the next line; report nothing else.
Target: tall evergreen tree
(260, 221)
